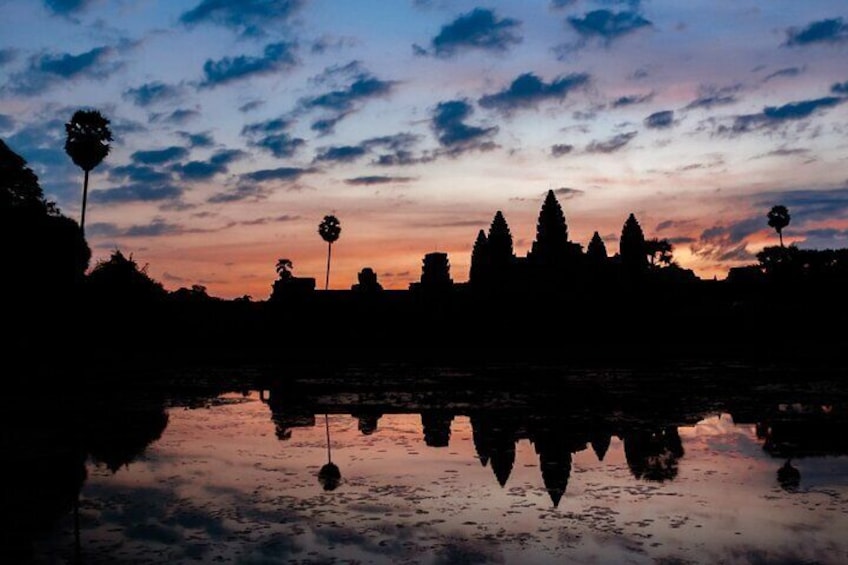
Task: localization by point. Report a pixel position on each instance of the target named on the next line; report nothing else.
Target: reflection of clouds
(147, 518)
(721, 434)
(465, 551)
(221, 484)
(812, 552)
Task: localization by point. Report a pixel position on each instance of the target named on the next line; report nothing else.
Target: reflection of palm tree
(778, 218)
(87, 144)
(329, 476)
(788, 476)
(329, 230)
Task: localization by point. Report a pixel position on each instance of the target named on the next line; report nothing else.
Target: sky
(239, 124)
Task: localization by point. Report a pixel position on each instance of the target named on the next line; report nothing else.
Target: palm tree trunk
(327, 280)
(327, 426)
(84, 199)
(780, 235)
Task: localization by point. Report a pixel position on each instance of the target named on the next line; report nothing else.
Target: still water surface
(234, 479)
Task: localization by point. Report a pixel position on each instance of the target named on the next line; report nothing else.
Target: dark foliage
(119, 279)
(45, 251)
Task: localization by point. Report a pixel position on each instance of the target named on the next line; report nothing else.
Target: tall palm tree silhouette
(778, 218)
(87, 144)
(329, 229)
(329, 476)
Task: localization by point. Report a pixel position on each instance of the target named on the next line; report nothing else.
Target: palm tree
(329, 229)
(778, 218)
(87, 145)
(284, 268)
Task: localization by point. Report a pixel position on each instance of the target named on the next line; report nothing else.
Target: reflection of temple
(436, 426)
(560, 424)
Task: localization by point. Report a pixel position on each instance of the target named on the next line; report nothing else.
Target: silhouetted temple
(554, 261)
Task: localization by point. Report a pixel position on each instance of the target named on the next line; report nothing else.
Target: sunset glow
(239, 125)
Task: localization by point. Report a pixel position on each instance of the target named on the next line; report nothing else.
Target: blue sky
(238, 125)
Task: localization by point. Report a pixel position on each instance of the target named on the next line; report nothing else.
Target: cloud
(274, 125)
(325, 126)
(773, 116)
(178, 117)
(8, 55)
(824, 238)
(681, 240)
(247, 17)
(667, 224)
(808, 205)
(269, 220)
(49, 69)
(365, 86)
(561, 4)
(528, 91)
(157, 227)
(138, 192)
(271, 136)
(159, 156)
(785, 152)
(479, 29)
(607, 25)
(275, 57)
(66, 7)
(566, 193)
(251, 106)
(395, 142)
(341, 153)
(400, 147)
(560, 149)
(401, 158)
(6, 122)
(203, 139)
(727, 242)
(280, 145)
(711, 96)
(831, 31)
(41, 144)
(840, 88)
(660, 120)
(343, 101)
(612, 144)
(285, 174)
(151, 93)
(138, 174)
(251, 185)
(377, 179)
(448, 122)
(787, 72)
(631, 99)
(204, 170)
(67, 65)
(331, 43)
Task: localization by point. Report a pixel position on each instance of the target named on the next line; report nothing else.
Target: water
(454, 477)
